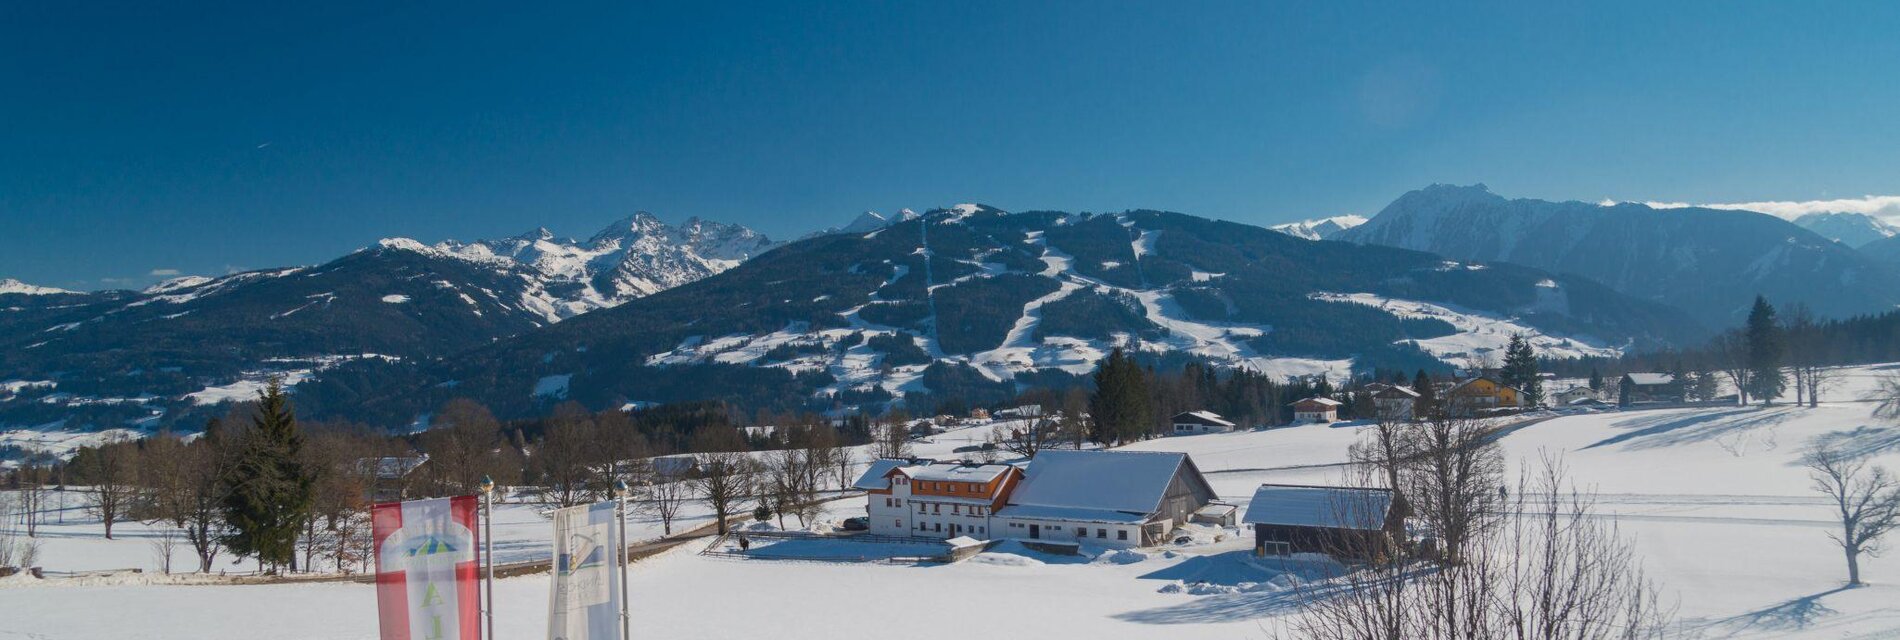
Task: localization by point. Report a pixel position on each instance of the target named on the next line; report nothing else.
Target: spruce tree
(1596, 381)
(268, 492)
(1427, 403)
(1120, 406)
(1520, 370)
(1763, 333)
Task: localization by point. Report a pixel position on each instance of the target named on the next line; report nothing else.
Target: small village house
(1344, 522)
(390, 476)
(1394, 402)
(1637, 388)
(1316, 410)
(1482, 393)
(1197, 422)
(1573, 396)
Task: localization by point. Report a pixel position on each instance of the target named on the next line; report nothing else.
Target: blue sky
(149, 138)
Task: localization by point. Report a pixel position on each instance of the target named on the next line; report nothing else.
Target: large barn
(1106, 498)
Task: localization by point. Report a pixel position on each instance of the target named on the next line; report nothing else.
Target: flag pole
(626, 621)
(488, 555)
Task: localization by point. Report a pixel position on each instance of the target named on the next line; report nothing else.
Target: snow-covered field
(1711, 497)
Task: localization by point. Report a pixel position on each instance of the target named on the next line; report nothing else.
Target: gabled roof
(1396, 391)
(875, 476)
(1460, 386)
(1104, 481)
(1358, 508)
(1647, 379)
(1203, 417)
(1325, 401)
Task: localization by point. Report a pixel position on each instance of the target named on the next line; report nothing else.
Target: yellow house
(1480, 393)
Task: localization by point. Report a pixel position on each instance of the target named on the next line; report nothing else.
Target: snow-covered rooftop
(873, 477)
(1205, 417)
(1646, 379)
(1396, 391)
(1311, 506)
(1324, 401)
(955, 472)
(1129, 481)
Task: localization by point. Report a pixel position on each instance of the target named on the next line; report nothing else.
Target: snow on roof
(1130, 481)
(1206, 417)
(1328, 507)
(1396, 390)
(960, 542)
(1646, 379)
(873, 477)
(1325, 401)
(955, 472)
(1215, 509)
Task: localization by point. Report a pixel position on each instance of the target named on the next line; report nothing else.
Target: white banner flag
(585, 601)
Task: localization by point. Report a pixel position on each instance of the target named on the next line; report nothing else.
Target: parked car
(859, 523)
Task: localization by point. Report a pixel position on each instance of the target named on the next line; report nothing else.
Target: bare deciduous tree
(111, 476)
(1454, 480)
(1557, 572)
(1865, 496)
(725, 471)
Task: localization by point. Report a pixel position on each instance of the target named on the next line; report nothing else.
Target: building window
(953, 488)
(954, 509)
(1101, 533)
(898, 523)
(1121, 534)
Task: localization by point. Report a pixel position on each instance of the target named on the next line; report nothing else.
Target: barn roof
(1106, 481)
(1647, 379)
(1359, 508)
(1319, 400)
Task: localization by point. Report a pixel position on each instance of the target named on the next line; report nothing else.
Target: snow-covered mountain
(9, 285)
(1851, 229)
(151, 358)
(1321, 229)
(1711, 263)
(867, 222)
(636, 256)
(969, 303)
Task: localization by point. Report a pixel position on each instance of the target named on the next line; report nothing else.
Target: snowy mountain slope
(9, 285)
(1709, 262)
(150, 358)
(636, 256)
(1321, 229)
(971, 301)
(1851, 229)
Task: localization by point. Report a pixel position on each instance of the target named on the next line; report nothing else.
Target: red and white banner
(426, 570)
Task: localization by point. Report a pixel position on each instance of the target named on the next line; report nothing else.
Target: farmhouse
(1394, 402)
(1574, 396)
(933, 499)
(1316, 409)
(1481, 393)
(1193, 422)
(1648, 387)
(1106, 498)
(1344, 522)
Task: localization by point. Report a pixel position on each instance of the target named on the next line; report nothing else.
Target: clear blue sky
(177, 136)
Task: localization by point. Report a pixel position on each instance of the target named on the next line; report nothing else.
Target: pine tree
(1120, 406)
(268, 492)
(1596, 381)
(1520, 370)
(1763, 333)
(1427, 403)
